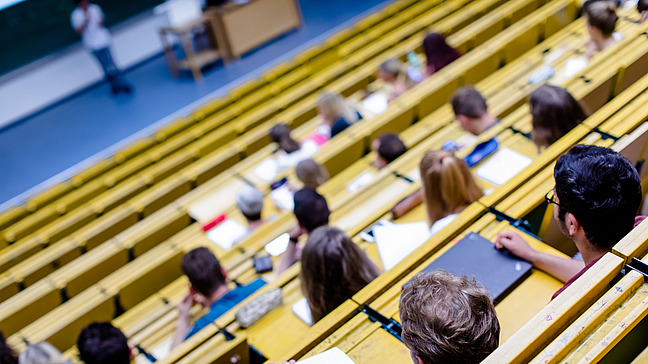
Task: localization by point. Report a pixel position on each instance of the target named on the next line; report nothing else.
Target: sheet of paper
(362, 180)
(502, 166)
(330, 356)
(267, 170)
(278, 245)
(227, 233)
(375, 103)
(283, 198)
(573, 66)
(301, 310)
(397, 241)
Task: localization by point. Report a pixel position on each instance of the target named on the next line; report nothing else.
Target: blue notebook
(474, 256)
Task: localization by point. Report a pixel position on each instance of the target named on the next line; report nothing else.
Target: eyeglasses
(549, 197)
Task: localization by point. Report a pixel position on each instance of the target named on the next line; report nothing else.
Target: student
(596, 196)
(103, 343)
(290, 151)
(250, 202)
(438, 53)
(642, 8)
(471, 110)
(447, 319)
(337, 113)
(448, 188)
(41, 353)
(333, 270)
(311, 211)
(601, 21)
(208, 288)
(7, 355)
(387, 147)
(88, 20)
(394, 74)
(555, 112)
(311, 173)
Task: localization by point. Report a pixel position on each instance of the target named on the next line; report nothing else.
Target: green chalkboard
(35, 28)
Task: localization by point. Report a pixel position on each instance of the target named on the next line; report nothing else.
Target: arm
(292, 253)
(562, 268)
(408, 203)
(79, 24)
(184, 315)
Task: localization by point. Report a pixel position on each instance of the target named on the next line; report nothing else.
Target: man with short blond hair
(447, 319)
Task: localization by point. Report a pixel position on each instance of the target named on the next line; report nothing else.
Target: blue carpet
(53, 141)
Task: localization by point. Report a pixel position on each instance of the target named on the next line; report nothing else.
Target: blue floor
(55, 140)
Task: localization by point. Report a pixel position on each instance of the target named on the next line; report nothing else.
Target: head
(388, 147)
(41, 353)
(333, 270)
(205, 274)
(280, 134)
(437, 52)
(598, 193)
(311, 173)
(601, 18)
(448, 185)
(332, 106)
(250, 202)
(447, 319)
(555, 112)
(469, 107)
(642, 8)
(7, 355)
(311, 209)
(391, 70)
(103, 343)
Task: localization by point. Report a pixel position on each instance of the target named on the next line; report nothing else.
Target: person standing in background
(88, 20)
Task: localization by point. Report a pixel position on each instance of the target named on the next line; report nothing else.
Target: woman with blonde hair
(311, 173)
(333, 270)
(555, 112)
(337, 113)
(601, 20)
(41, 353)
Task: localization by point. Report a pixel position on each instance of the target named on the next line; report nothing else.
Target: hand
(296, 232)
(184, 306)
(516, 245)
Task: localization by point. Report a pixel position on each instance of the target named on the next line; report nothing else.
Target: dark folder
(474, 256)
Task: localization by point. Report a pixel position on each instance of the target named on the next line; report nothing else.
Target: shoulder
(96, 9)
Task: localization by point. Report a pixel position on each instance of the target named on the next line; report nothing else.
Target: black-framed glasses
(550, 197)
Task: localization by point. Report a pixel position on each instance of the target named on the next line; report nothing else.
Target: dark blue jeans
(113, 74)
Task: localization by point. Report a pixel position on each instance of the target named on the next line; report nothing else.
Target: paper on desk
(227, 233)
(362, 180)
(330, 356)
(301, 310)
(160, 352)
(283, 198)
(375, 103)
(573, 66)
(278, 245)
(502, 166)
(397, 241)
(267, 170)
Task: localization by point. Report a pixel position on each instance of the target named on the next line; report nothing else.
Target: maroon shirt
(638, 220)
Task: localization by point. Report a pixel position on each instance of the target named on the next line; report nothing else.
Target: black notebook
(474, 256)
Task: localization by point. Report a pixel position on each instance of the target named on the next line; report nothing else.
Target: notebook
(301, 310)
(227, 233)
(502, 166)
(330, 356)
(475, 256)
(397, 241)
(279, 245)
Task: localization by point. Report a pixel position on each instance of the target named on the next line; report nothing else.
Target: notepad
(397, 241)
(502, 166)
(301, 310)
(331, 356)
(474, 256)
(283, 198)
(278, 245)
(267, 170)
(227, 233)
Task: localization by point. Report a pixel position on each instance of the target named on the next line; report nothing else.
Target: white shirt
(95, 36)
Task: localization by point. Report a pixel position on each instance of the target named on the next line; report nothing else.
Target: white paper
(301, 310)
(267, 170)
(331, 356)
(397, 241)
(573, 66)
(362, 180)
(502, 166)
(227, 233)
(278, 245)
(375, 103)
(283, 198)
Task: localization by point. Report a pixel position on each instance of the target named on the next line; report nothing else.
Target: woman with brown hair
(394, 73)
(438, 53)
(555, 112)
(311, 173)
(601, 21)
(290, 152)
(333, 270)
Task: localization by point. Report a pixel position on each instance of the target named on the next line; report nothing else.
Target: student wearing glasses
(596, 198)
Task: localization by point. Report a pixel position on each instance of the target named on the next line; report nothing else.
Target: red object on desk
(210, 225)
